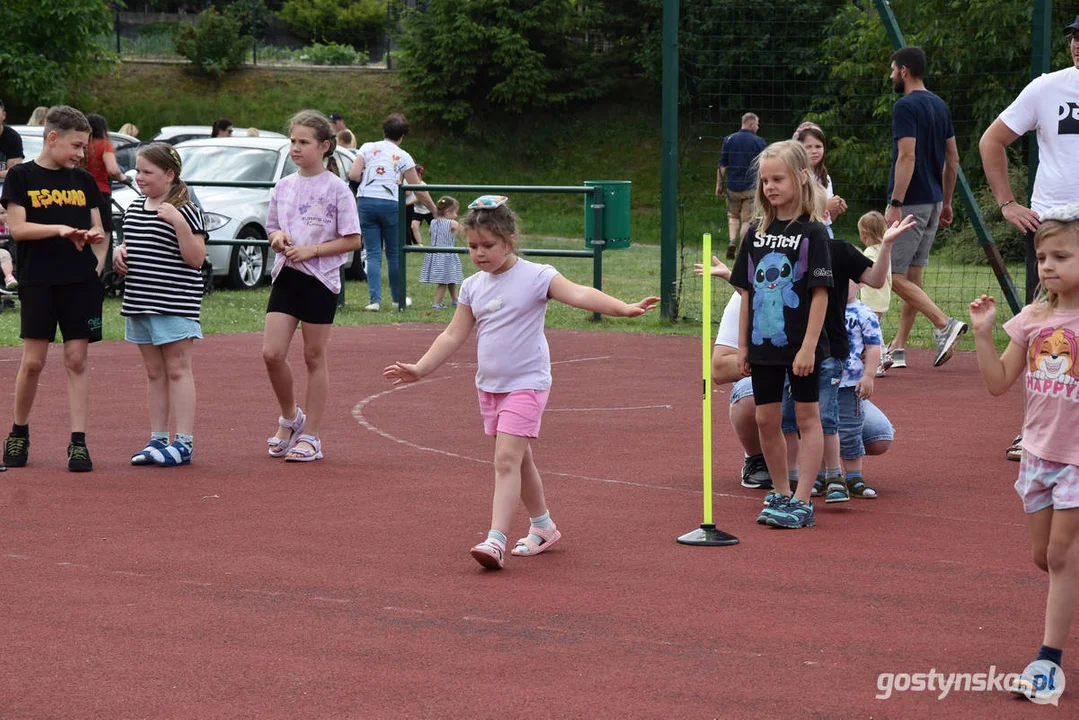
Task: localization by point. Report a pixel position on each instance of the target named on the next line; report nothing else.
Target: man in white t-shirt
(1048, 105)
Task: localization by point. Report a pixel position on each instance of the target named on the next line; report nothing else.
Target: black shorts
(302, 296)
(75, 308)
(768, 384)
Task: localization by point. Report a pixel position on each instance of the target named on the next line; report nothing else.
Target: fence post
(598, 242)
(669, 199)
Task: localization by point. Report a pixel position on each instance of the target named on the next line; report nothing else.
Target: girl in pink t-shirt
(507, 302)
(313, 225)
(1044, 344)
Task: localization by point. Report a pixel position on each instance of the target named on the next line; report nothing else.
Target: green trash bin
(615, 230)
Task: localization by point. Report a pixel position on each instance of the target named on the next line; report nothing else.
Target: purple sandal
(303, 454)
(277, 446)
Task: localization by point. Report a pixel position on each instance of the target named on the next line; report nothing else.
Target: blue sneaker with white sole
(792, 515)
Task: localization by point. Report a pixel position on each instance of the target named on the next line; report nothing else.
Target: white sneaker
(373, 307)
(408, 302)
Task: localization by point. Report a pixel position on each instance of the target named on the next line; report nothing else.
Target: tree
(48, 47)
(339, 21)
(214, 44)
(459, 57)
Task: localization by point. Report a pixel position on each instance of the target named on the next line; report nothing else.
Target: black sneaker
(16, 451)
(755, 474)
(78, 458)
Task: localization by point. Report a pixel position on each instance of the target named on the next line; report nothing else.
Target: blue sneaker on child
(794, 514)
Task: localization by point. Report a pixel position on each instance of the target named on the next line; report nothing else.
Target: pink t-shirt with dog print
(1051, 429)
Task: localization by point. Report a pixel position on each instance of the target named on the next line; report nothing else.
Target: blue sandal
(144, 456)
(172, 455)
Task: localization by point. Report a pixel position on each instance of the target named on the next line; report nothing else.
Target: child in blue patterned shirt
(856, 385)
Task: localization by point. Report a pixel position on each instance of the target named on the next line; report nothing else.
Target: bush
(242, 10)
(333, 21)
(460, 58)
(332, 54)
(214, 43)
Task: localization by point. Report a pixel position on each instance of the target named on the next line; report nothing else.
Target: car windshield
(31, 146)
(210, 163)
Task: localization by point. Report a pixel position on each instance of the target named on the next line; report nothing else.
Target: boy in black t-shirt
(53, 215)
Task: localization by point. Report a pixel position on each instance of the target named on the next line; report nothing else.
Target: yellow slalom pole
(707, 534)
(706, 369)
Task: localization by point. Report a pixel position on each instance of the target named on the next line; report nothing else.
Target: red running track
(246, 587)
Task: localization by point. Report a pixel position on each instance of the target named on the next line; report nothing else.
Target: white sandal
(302, 454)
(277, 446)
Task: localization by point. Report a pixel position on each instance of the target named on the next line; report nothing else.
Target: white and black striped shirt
(159, 282)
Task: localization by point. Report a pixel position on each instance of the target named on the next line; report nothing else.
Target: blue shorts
(831, 371)
(860, 423)
(160, 329)
(742, 389)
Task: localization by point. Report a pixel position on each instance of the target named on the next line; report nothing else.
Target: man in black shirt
(10, 144)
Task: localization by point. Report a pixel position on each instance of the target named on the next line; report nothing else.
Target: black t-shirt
(10, 145)
(53, 197)
(778, 268)
(848, 263)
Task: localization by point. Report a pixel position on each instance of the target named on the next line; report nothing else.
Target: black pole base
(707, 534)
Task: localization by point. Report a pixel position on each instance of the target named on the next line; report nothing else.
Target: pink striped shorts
(514, 413)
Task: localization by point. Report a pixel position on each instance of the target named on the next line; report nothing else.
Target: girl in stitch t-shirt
(507, 302)
(783, 270)
(1043, 342)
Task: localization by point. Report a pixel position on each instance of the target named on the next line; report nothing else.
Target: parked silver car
(173, 134)
(239, 212)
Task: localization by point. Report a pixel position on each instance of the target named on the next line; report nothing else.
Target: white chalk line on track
(361, 419)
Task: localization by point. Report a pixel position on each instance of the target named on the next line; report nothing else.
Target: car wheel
(358, 269)
(248, 262)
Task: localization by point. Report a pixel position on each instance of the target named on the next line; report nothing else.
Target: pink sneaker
(490, 554)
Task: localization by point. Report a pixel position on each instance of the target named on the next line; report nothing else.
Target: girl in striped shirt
(163, 251)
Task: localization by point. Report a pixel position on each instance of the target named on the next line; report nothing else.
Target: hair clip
(1062, 213)
(488, 202)
(175, 156)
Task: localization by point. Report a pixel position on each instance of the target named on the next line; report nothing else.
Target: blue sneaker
(794, 514)
(772, 502)
(172, 455)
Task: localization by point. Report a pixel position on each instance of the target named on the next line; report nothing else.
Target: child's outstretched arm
(587, 298)
(877, 275)
(998, 373)
(445, 345)
(719, 269)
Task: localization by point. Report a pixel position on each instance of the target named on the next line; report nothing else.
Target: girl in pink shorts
(506, 301)
(1044, 344)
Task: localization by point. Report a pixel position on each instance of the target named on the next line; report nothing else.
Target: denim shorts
(742, 389)
(860, 423)
(160, 329)
(831, 371)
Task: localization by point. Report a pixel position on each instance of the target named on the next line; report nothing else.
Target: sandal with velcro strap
(277, 446)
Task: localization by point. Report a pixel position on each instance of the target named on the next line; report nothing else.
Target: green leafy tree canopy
(48, 47)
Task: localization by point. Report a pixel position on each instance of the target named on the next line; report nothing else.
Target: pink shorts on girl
(1044, 483)
(514, 413)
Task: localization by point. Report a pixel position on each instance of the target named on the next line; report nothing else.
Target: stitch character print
(773, 281)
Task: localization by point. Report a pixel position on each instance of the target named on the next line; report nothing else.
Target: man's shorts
(161, 329)
(911, 249)
(519, 412)
(740, 204)
(1044, 483)
(831, 371)
(75, 308)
